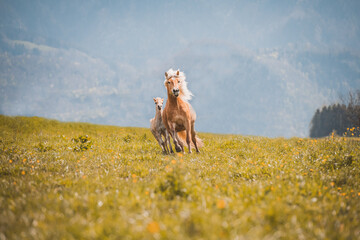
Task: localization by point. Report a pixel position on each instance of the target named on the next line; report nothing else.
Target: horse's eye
(168, 82)
(178, 81)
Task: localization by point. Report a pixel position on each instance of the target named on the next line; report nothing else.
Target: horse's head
(158, 103)
(173, 83)
(176, 85)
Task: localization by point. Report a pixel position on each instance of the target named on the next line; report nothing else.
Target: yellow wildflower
(221, 204)
(153, 227)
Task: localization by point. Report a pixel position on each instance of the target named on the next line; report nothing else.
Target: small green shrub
(127, 138)
(173, 187)
(82, 143)
(43, 147)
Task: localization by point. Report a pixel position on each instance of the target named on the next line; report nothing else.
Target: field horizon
(70, 180)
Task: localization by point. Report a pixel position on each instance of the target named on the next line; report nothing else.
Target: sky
(255, 67)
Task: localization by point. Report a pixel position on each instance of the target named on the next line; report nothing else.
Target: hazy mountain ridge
(83, 69)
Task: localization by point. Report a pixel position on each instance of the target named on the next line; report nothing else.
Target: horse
(158, 129)
(178, 115)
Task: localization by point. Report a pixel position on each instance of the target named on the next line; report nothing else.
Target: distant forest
(342, 118)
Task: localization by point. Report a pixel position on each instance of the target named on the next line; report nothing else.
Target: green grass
(82, 181)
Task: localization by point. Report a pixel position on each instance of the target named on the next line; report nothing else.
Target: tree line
(343, 118)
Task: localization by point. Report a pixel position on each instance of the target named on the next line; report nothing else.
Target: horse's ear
(178, 72)
(162, 100)
(154, 99)
(166, 75)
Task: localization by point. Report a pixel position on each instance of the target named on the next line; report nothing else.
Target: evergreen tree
(337, 117)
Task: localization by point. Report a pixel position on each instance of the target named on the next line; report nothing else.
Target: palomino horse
(178, 115)
(157, 127)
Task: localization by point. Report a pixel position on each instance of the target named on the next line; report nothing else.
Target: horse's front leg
(175, 138)
(176, 141)
(172, 132)
(180, 142)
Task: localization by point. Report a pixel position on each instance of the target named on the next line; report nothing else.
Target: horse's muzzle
(176, 92)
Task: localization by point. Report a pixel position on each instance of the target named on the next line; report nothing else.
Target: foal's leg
(167, 139)
(165, 142)
(193, 136)
(160, 141)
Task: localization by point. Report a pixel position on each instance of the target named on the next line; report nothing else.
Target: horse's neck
(173, 101)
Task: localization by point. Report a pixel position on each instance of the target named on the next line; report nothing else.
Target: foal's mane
(185, 93)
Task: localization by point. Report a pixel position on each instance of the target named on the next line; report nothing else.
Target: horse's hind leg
(188, 139)
(193, 137)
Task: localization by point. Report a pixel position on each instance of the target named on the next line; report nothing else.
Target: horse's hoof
(178, 149)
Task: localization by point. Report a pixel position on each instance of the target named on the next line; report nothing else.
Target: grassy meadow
(83, 181)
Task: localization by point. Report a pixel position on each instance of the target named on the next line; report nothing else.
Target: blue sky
(264, 65)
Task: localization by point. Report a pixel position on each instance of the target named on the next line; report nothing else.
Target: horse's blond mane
(185, 93)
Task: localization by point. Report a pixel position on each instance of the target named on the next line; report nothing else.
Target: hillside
(78, 180)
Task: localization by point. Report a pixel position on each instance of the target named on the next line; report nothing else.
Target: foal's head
(158, 103)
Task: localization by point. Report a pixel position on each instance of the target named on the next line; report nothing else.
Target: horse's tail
(182, 136)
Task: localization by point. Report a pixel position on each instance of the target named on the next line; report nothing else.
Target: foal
(158, 129)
